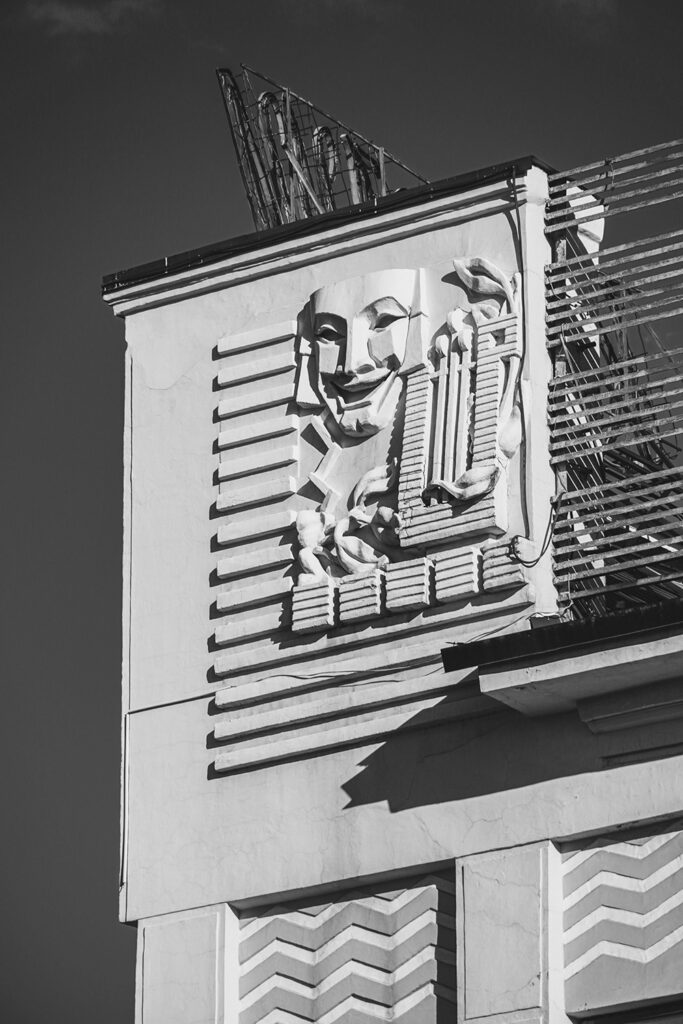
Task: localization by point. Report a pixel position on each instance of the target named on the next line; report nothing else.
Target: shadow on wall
(492, 753)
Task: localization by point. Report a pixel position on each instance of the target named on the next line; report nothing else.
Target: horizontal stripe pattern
(371, 956)
(623, 900)
(258, 448)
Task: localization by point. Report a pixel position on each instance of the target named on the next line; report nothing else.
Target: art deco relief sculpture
(415, 379)
(353, 344)
(357, 333)
(452, 471)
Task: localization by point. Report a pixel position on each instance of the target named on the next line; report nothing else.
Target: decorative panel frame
(373, 498)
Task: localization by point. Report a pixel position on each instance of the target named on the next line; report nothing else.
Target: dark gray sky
(116, 151)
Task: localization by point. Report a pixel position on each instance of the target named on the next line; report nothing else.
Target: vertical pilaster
(188, 968)
(509, 937)
(538, 474)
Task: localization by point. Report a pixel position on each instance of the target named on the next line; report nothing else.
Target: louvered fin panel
(616, 401)
(620, 184)
(625, 286)
(619, 538)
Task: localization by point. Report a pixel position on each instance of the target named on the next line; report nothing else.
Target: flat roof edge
(546, 641)
(217, 251)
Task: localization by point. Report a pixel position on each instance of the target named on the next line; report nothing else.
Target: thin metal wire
(296, 160)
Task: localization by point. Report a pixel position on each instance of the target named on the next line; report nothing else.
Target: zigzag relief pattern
(623, 900)
(371, 956)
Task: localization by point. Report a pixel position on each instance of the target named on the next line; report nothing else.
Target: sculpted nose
(358, 360)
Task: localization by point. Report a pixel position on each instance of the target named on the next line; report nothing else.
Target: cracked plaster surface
(194, 841)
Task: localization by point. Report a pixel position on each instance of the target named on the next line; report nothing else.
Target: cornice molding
(494, 197)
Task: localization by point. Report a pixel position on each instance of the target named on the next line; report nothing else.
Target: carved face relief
(436, 478)
(359, 336)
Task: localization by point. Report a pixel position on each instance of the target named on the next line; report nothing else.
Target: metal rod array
(620, 184)
(615, 404)
(296, 161)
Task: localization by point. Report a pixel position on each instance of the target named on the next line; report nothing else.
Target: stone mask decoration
(416, 376)
(356, 342)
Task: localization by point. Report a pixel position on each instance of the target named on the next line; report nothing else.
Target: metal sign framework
(616, 398)
(296, 161)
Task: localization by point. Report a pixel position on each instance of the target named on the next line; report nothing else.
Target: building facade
(399, 744)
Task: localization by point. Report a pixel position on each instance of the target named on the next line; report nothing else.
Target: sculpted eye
(328, 334)
(386, 320)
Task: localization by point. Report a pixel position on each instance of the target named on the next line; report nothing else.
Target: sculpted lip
(360, 388)
(360, 391)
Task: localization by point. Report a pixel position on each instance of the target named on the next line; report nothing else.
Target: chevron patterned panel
(369, 956)
(623, 921)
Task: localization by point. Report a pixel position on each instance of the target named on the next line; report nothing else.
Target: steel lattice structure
(296, 161)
